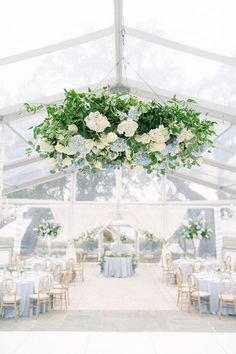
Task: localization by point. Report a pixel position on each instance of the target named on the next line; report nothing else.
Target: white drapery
(77, 218)
(161, 220)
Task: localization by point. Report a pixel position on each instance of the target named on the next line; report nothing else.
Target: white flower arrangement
(48, 228)
(196, 230)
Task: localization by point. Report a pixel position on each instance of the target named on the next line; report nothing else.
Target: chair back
(192, 282)
(179, 277)
(57, 272)
(227, 286)
(79, 259)
(70, 264)
(45, 285)
(227, 261)
(191, 268)
(197, 267)
(169, 263)
(9, 287)
(206, 255)
(65, 280)
(37, 267)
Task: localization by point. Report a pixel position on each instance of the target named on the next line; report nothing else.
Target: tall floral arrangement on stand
(196, 230)
(91, 131)
(48, 229)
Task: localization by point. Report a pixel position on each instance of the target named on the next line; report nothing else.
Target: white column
(218, 233)
(118, 25)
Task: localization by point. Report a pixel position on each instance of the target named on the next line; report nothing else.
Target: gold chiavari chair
(183, 289)
(62, 293)
(227, 294)
(42, 296)
(79, 266)
(197, 267)
(206, 255)
(57, 274)
(170, 273)
(70, 266)
(37, 267)
(10, 299)
(196, 295)
(227, 262)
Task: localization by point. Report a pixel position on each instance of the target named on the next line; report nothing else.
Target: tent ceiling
(87, 51)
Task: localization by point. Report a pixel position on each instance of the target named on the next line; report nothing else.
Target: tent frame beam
(154, 39)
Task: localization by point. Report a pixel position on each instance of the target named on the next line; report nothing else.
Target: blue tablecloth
(212, 285)
(186, 265)
(118, 267)
(24, 288)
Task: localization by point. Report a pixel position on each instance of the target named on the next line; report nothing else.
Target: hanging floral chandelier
(91, 131)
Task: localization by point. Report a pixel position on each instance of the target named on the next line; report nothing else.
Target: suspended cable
(145, 82)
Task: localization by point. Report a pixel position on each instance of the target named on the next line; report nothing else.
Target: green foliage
(53, 137)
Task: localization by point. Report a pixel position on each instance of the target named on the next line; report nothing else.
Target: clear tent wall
(103, 48)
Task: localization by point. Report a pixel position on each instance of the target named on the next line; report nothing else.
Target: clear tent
(108, 43)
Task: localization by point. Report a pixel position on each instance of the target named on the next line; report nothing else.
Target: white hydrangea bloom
(45, 146)
(52, 161)
(111, 137)
(144, 138)
(60, 148)
(160, 134)
(98, 165)
(100, 145)
(157, 146)
(69, 150)
(184, 135)
(72, 128)
(89, 144)
(66, 162)
(127, 127)
(97, 122)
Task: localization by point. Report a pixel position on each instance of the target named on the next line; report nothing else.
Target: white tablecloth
(118, 267)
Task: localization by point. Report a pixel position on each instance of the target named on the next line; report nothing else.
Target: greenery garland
(91, 131)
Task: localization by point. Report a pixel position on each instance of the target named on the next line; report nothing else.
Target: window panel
(49, 74)
(207, 24)
(38, 24)
(180, 72)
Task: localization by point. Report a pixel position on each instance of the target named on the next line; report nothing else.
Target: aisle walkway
(140, 303)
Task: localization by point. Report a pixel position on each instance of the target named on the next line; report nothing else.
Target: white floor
(116, 343)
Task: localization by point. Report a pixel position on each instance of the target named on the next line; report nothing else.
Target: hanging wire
(144, 81)
(107, 75)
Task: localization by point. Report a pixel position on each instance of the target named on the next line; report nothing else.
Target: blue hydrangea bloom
(133, 113)
(171, 147)
(142, 159)
(119, 145)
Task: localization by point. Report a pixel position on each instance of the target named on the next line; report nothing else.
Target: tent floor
(140, 303)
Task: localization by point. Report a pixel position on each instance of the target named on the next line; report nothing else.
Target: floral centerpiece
(48, 230)
(196, 230)
(91, 131)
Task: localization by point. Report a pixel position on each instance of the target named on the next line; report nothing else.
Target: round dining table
(26, 285)
(118, 267)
